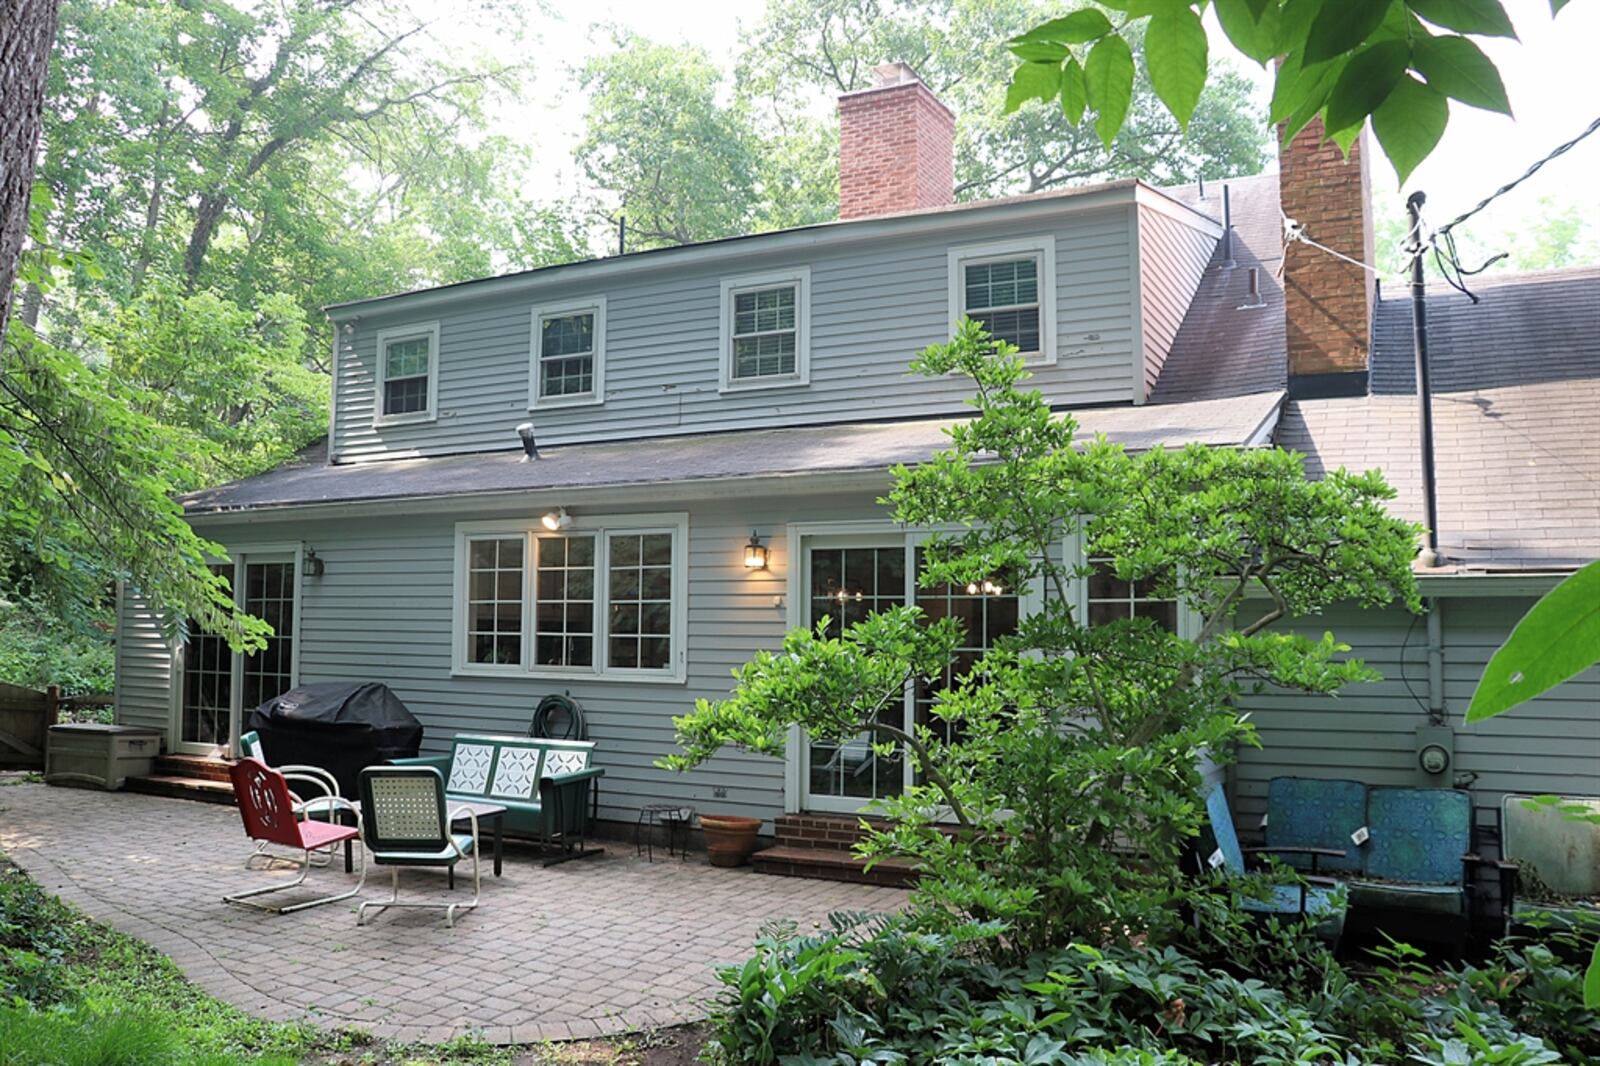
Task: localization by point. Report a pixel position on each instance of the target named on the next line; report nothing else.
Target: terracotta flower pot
(730, 838)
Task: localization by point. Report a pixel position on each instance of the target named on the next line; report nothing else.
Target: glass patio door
(219, 686)
(847, 578)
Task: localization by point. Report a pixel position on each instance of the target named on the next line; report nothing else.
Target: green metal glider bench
(544, 785)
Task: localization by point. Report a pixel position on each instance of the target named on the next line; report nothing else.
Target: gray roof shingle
(773, 453)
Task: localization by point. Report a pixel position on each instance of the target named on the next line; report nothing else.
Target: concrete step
(177, 786)
(833, 864)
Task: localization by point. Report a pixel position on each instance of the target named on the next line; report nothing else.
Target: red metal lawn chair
(268, 810)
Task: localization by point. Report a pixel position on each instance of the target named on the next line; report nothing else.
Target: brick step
(836, 831)
(203, 767)
(177, 786)
(833, 864)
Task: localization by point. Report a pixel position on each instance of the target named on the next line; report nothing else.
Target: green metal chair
(1552, 848)
(404, 823)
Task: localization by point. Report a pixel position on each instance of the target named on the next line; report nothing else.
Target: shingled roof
(1516, 405)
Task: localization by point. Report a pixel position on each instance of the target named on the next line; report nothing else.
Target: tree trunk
(27, 31)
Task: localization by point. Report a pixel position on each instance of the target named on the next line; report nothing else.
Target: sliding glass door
(219, 686)
(846, 577)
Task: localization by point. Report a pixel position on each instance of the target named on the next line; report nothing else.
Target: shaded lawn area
(74, 992)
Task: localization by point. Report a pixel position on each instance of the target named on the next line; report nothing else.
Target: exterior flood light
(530, 447)
(755, 553)
(556, 520)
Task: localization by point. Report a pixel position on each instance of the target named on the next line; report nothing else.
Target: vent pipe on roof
(1252, 296)
(1227, 230)
(1202, 182)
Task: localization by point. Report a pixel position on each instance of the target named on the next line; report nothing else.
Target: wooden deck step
(177, 786)
(832, 864)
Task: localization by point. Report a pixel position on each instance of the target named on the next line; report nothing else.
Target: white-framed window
(1108, 598)
(568, 362)
(766, 330)
(605, 597)
(408, 374)
(1010, 287)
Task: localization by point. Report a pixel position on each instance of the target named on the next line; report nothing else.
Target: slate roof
(1516, 407)
(774, 453)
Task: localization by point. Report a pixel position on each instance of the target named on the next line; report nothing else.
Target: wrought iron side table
(676, 818)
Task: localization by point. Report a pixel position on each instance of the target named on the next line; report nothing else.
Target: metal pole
(1419, 338)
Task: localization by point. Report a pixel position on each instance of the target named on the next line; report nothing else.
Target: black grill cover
(341, 726)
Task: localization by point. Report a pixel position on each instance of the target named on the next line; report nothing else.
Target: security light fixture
(556, 520)
(310, 564)
(755, 553)
(530, 447)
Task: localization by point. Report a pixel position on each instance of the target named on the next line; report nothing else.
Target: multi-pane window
(987, 611)
(567, 355)
(207, 682)
(1003, 295)
(494, 600)
(765, 332)
(269, 595)
(407, 366)
(1110, 599)
(639, 580)
(592, 600)
(563, 617)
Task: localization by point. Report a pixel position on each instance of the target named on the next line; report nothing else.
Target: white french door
(846, 576)
(216, 686)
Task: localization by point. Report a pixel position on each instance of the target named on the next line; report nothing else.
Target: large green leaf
(1074, 97)
(1108, 77)
(1309, 95)
(1483, 17)
(1039, 52)
(1409, 124)
(1341, 25)
(1254, 32)
(1558, 638)
(1366, 82)
(1459, 69)
(1556, 6)
(1076, 28)
(1032, 81)
(1591, 981)
(1175, 54)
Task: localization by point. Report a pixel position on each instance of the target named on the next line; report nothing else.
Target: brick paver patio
(587, 948)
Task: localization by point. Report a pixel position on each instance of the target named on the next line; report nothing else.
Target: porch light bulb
(755, 553)
(972, 588)
(556, 520)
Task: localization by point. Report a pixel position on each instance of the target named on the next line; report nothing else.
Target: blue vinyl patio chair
(1324, 816)
(1418, 855)
(404, 823)
(1324, 903)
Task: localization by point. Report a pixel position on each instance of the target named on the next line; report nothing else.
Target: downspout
(1437, 714)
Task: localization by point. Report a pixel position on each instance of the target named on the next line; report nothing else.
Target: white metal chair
(404, 823)
(250, 747)
(268, 811)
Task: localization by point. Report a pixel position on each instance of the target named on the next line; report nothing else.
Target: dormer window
(1009, 288)
(766, 331)
(569, 343)
(408, 380)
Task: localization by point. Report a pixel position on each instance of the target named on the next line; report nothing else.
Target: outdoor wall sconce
(556, 520)
(755, 553)
(311, 565)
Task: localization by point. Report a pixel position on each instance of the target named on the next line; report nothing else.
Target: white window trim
(403, 333)
(595, 305)
(800, 278)
(1072, 547)
(676, 523)
(1042, 246)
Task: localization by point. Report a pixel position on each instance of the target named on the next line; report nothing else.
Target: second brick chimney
(1327, 301)
(896, 146)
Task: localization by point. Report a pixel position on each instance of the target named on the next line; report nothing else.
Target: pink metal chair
(268, 810)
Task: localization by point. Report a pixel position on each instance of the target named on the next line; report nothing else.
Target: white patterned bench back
(566, 760)
(516, 773)
(470, 762)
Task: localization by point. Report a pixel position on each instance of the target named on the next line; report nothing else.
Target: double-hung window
(1009, 288)
(569, 347)
(408, 378)
(604, 597)
(766, 330)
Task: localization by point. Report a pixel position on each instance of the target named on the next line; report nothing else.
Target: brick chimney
(1327, 302)
(896, 146)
